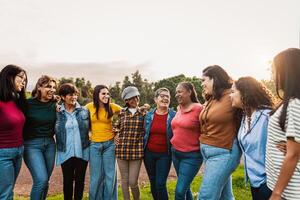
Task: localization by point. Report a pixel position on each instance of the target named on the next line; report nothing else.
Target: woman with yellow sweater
(103, 176)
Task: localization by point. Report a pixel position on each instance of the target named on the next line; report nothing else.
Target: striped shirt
(131, 135)
(274, 157)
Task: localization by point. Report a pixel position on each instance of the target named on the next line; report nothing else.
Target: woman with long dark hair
(186, 154)
(103, 176)
(256, 101)
(39, 144)
(13, 81)
(219, 124)
(283, 168)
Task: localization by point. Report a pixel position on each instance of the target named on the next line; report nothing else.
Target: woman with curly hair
(256, 102)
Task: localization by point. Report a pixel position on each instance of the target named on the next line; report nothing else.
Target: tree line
(145, 87)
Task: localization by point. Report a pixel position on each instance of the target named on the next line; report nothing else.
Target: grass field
(241, 192)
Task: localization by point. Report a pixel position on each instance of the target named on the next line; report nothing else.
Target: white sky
(162, 38)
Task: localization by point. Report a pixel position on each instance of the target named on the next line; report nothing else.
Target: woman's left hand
(275, 197)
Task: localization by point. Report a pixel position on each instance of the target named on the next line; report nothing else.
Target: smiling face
(207, 85)
(182, 95)
(47, 91)
(133, 102)
(163, 99)
(104, 96)
(20, 81)
(236, 98)
(70, 99)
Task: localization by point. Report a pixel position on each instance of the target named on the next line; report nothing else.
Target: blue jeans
(39, 157)
(187, 165)
(103, 174)
(10, 165)
(219, 165)
(158, 166)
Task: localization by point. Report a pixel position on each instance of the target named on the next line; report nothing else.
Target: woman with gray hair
(157, 146)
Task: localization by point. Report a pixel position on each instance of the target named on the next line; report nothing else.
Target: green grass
(241, 192)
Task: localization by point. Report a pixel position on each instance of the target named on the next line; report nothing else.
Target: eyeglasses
(21, 78)
(164, 96)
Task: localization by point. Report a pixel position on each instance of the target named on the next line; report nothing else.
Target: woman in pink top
(186, 155)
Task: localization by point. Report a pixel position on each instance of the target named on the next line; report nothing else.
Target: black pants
(73, 170)
(261, 193)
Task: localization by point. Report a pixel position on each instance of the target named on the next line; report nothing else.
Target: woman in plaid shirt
(129, 148)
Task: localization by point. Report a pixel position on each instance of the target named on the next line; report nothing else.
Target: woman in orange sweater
(219, 126)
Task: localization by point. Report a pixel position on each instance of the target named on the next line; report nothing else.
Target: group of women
(238, 117)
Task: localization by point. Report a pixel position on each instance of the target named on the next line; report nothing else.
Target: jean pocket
(9, 152)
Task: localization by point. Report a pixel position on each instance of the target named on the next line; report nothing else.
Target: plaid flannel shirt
(131, 135)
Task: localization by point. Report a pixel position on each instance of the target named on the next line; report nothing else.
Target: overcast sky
(105, 40)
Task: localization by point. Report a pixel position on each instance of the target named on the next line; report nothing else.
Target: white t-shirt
(274, 157)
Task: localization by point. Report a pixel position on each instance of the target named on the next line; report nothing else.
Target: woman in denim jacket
(72, 138)
(157, 146)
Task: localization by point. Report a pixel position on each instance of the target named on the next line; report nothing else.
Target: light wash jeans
(39, 157)
(10, 165)
(103, 174)
(187, 165)
(219, 165)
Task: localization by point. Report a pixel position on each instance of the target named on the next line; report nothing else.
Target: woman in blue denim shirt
(72, 138)
(158, 133)
(256, 101)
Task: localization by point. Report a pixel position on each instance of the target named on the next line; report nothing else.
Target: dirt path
(24, 181)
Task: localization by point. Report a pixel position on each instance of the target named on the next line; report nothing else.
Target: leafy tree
(145, 88)
(115, 93)
(126, 82)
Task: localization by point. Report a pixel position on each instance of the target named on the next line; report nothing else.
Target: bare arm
(288, 167)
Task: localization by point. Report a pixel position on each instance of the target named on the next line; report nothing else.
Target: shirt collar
(77, 106)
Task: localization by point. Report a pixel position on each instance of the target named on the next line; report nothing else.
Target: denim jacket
(148, 122)
(83, 118)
